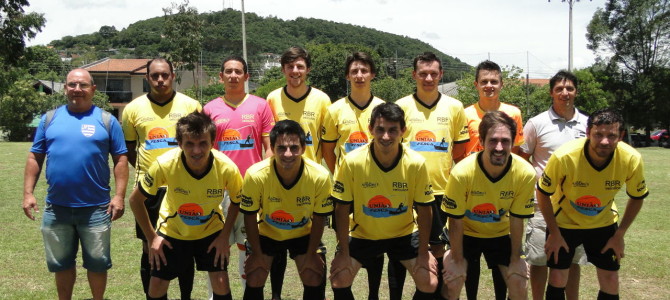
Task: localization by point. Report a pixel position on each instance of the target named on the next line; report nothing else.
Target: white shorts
(238, 234)
(535, 238)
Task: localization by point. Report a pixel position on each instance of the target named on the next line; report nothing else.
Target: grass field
(23, 274)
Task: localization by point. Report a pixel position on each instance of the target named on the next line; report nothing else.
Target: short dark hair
(163, 59)
(294, 53)
(560, 76)
(493, 119)
(605, 116)
(362, 57)
(287, 127)
(427, 57)
(235, 58)
(195, 124)
(390, 112)
(488, 66)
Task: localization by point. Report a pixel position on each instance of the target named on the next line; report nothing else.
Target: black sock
(186, 281)
(145, 272)
(419, 295)
(605, 296)
(343, 293)
(438, 290)
(554, 293)
(277, 271)
(499, 285)
(374, 269)
(312, 293)
(164, 297)
(253, 293)
(472, 279)
(222, 297)
(397, 274)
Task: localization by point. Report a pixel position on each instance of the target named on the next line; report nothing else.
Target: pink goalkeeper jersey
(240, 128)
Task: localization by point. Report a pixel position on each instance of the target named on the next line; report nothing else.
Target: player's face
(288, 151)
(360, 75)
(489, 84)
(603, 139)
(79, 89)
(233, 76)
(160, 78)
(563, 95)
(427, 76)
(196, 150)
(498, 145)
(386, 135)
(296, 72)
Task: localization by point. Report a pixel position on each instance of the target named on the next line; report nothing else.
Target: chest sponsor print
(233, 140)
(192, 214)
(159, 138)
(284, 220)
(356, 139)
(588, 205)
(381, 207)
(425, 141)
(485, 213)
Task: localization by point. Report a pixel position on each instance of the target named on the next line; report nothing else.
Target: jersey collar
(174, 93)
(296, 100)
(210, 163)
(416, 97)
(588, 157)
(367, 104)
(379, 165)
(297, 178)
(504, 172)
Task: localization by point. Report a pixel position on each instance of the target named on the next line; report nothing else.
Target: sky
(530, 34)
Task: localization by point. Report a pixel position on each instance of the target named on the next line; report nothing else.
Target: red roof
(107, 65)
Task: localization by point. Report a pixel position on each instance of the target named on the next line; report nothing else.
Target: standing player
(488, 82)
(306, 105)
(290, 195)
(383, 181)
(543, 134)
(345, 128)
(243, 123)
(437, 129)
(149, 127)
(576, 194)
(190, 222)
(488, 195)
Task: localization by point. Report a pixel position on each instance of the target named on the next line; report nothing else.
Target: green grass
(23, 274)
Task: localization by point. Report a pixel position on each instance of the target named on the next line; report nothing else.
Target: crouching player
(190, 224)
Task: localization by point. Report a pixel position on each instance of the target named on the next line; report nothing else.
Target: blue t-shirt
(77, 147)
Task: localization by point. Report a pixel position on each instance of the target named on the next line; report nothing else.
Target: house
(49, 87)
(124, 80)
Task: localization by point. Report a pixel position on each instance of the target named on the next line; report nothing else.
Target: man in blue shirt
(77, 140)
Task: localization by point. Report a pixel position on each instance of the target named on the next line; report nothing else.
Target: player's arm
(616, 242)
(266, 145)
(455, 265)
(516, 264)
(329, 154)
(117, 204)
(342, 260)
(155, 242)
(31, 174)
(555, 240)
(458, 152)
(132, 153)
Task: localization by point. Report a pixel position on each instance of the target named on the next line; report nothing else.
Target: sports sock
(222, 297)
(419, 295)
(605, 296)
(343, 293)
(145, 272)
(313, 292)
(277, 271)
(499, 285)
(253, 293)
(374, 269)
(164, 297)
(554, 293)
(186, 281)
(397, 274)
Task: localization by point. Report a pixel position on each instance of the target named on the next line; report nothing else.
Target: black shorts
(594, 240)
(400, 248)
(295, 247)
(438, 231)
(183, 253)
(153, 206)
(497, 251)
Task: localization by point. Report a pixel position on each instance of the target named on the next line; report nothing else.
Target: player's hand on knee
(222, 247)
(517, 267)
(617, 244)
(425, 261)
(253, 263)
(313, 263)
(454, 269)
(156, 254)
(341, 262)
(554, 244)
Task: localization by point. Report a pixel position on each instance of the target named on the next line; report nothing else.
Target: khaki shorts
(536, 234)
(238, 234)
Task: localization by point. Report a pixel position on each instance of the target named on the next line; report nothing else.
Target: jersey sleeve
(523, 205)
(153, 179)
(234, 184)
(636, 186)
(252, 194)
(453, 203)
(128, 125)
(460, 126)
(549, 180)
(324, 203)
(529, 137)
(267, 119)
(342, 188)
(117, 142)
(423, 192)
(329, 133)
(518, 140)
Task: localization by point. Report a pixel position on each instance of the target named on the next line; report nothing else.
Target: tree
(18, 106)
(183, 31)
(15, 27)
(392, 89)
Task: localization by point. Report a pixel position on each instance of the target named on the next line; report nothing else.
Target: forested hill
(222, 37)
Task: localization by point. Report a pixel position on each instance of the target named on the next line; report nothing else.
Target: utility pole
(570, 3)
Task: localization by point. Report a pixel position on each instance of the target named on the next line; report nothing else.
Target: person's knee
(425, 281)
(609, 281)
(257, 277)
(158, 287)
(518, 286)
(558, 277)
(311, 278)
(342, 279)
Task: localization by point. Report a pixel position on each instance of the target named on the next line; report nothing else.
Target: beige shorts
(238, 234)
(536, 235)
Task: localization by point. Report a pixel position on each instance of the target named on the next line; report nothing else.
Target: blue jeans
(64, 227)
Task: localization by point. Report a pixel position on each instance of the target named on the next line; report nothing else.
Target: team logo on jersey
(588, 205)
(308, 138)
(338, 187)
(425, 141)
(355, 140)
(381, 207)
(233, 140)
(148, 180)
(246, 201)
(449, 203)
(284, 220)
(641, 186)
(485, 213)
(159, 138)
(87, 130)
(546, 180)
(192, 214)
